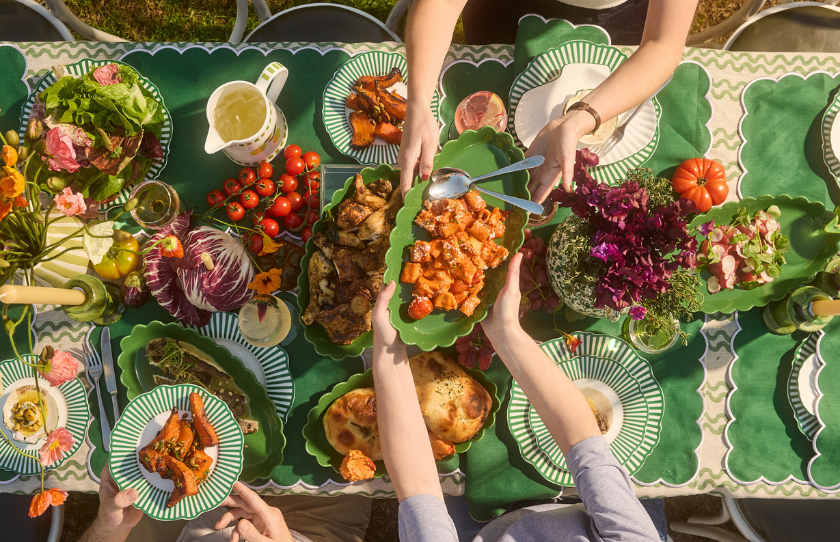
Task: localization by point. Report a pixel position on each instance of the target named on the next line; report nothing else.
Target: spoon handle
(530, 206)
(528, 163)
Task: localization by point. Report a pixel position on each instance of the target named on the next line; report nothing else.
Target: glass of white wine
(267, 321)
(157, 204)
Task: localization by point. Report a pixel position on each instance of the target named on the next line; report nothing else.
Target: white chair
(25, 20)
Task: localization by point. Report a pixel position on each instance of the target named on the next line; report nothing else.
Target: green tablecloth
(701, 115)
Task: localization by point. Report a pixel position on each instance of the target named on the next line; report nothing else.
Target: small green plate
(265, 447)
(477, 153)
(316, 439)
(316, 334)
(814, 239)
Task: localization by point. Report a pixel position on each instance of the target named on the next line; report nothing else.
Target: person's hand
(258, 522)
(503, 316)
(384, 335)
(116, 512)
(557, 142)
(419, 144)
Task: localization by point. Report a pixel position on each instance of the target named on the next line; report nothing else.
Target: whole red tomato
(292, 151)
(265, 171)
(249, 199)
(295, 166)
(311, 159)
(231, 187)
(312, 217)
(247, 176)
(312, 181)
(292, 221)
(256, 245)
(280, 208)
(215, 198)
(288, 183)
(270, 227)
(235, 211)
(265, 187)
(701, 180)
(258, 216)
(305, 234)
(296, 200)
(313, 198)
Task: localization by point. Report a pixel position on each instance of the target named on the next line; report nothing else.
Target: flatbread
(604, 131)
(453, 404)
(350, 423)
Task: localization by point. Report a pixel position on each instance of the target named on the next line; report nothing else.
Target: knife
(110, 376)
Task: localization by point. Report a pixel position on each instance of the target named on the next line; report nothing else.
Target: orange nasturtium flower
(9, 155)
(45, 499)
(269, 246)
(11, 183)
(267, 282)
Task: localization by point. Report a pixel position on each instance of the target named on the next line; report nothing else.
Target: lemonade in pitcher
(239, 113)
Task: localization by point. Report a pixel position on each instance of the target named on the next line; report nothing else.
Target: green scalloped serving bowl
(476, 152)
(319, 447)
(316, 334)
(814, 239)
(264, 449)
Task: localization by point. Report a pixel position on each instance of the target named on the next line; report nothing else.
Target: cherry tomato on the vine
(256, 245)
(312, 217)
(292, 221)
(258, 216)
(249, 199)
(291, 151)
(288, 183)
(312, 181)
(265, 187)
(296, 200)
(280, 208)
(231, 187)
(314, 200)
(270, 227)
(235, 211)
(305, 234)
(295, 166)
(265, 171)
(312, 159)
(215, 197)
(247, 176)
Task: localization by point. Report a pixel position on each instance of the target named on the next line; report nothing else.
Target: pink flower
(69, 203)
(60, 149)
(45, 499)
(58, 443)
(60, 369)
(637, 312)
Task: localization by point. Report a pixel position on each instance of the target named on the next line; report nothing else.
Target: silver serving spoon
(447, 183)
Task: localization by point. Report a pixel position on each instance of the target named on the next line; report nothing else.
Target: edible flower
(267, 282)
(12, 183)
(7, 204)
(9, 155)
(62, 156)
(269, 246)
(69, 203)
(61, 367)
(706, 228)
(45, 499)
(58, 443)
(571, 341)
(637, 312)
(170, 247)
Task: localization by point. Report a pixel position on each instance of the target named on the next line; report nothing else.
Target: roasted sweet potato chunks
(206, 434)
(394, 77)
(159, 445)
(376, 110)
(181, 475)
(388, 133)
(363, 128)
(392, 104)
(200, 463)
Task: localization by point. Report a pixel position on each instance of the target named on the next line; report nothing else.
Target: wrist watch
(588, 108)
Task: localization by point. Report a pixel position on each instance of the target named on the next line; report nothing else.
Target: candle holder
(103, 304)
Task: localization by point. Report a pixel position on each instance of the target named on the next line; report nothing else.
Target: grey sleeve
(425, 518)
(607, 493)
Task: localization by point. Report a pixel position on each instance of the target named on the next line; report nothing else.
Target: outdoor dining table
(727, 427)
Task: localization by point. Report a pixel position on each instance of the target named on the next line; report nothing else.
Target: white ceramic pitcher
(271, 138)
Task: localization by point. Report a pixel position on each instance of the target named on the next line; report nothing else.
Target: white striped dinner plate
(73, 414)
(269, 365)
(802, 390)
(539, 95)
(830, 132)
(81, 68)
(336, 114)
(139, 423)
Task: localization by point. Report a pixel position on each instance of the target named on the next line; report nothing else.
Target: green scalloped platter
(316, 334)
(319, 447)
(477, 153)
(814, 239)
(264, 449)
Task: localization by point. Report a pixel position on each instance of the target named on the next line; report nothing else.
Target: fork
(94, 367)
(601, 149)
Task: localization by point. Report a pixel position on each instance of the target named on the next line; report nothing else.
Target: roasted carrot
(180, 473)
(206, 434)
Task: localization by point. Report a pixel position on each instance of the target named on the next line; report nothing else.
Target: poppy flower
(61, 154)
(69, 203)
(58, 443)
(45, 499)
(61, 367)
(267, 282)
(11, 183)
(9, 155)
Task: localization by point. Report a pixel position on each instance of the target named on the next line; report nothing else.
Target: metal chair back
(801, 26)
(321, 22)
(25, 20)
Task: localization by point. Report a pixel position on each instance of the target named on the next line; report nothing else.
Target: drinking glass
(157, 204)
(267, 321)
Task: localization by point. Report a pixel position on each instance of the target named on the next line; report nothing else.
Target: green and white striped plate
(140, 422)
(336, 115)
(831, 139)
(73, 414)
(802, 391)
(81, 68)
(555, 76)
(269, 365)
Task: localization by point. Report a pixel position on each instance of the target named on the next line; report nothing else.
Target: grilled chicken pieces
(345, 273)
(377, 111)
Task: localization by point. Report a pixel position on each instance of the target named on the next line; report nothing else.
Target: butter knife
(110, 376)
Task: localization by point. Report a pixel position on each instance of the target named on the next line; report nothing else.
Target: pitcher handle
(272, 79)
